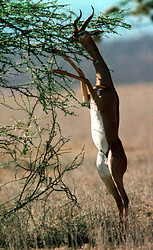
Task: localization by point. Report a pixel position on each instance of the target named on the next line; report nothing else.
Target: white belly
(97, 128)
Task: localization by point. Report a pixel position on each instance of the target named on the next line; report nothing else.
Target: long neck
(103, 76)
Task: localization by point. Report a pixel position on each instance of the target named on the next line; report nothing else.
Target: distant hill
(132, 60)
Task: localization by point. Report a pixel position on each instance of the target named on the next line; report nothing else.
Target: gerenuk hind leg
(105, 175)
(118, 165)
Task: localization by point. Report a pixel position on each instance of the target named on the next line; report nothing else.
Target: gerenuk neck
(103, 76)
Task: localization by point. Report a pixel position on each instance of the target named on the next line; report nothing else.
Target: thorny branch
(42, 173)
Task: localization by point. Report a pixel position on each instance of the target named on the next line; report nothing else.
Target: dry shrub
(49, 224)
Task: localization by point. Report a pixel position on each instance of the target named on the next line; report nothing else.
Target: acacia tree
(34, 37)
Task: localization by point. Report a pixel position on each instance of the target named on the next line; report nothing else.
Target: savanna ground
(95, 224)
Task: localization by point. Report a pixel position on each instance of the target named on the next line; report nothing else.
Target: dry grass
(95, 226)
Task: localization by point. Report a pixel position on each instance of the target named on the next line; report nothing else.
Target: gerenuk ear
(95, 32)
